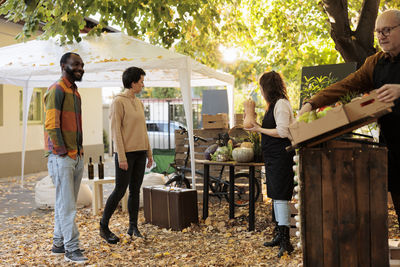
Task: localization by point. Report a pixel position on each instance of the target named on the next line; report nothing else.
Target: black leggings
(132, 177)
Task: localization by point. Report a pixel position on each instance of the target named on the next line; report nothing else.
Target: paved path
(16, 200)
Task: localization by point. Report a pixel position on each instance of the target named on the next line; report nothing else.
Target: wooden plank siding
(343, 205)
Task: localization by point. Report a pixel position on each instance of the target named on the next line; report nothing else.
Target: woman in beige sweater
(128, 126)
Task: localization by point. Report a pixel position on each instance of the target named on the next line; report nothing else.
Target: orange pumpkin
(246, 145)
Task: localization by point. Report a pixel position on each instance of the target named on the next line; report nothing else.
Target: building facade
(11, 120)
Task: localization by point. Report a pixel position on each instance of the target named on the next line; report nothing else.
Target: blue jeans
(282, 212)
(66, 174)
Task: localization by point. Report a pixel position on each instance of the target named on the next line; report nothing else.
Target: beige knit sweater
(128, 125)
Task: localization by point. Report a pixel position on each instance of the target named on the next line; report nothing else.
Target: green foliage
(280, 35)
(313, 85)
(159, 21)
(164, 92)
(348, 97)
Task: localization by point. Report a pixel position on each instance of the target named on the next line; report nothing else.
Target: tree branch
(353, 46)
(338, 17)
(366, 24)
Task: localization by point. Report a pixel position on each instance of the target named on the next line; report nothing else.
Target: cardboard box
(302, 131)
(218, 121)
(367, 106)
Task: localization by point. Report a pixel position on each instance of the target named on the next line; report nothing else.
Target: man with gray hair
(380, 71)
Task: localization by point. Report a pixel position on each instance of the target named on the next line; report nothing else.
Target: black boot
(108, 235)
(276, 240)
(285, 244)
(133, 230)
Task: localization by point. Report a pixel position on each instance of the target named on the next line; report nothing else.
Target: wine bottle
(101, 168)
(90, 169)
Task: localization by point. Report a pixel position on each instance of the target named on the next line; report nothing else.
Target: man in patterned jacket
(63, 146)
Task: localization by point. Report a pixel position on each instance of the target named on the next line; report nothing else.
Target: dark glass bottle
(101, 168)
(90, 169)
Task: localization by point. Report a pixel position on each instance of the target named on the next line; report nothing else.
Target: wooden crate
(344, 206)
(218, 121)
(394, 256)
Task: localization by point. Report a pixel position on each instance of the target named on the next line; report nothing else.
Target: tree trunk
(353, 46)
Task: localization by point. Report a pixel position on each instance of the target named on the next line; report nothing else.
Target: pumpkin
(249, 113)
(243, 154)
(247, 144)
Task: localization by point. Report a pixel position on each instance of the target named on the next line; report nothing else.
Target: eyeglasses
(385, 31)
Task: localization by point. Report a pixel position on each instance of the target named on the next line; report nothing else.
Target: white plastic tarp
(36, 64)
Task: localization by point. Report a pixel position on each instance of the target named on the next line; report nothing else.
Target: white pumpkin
(243, 154)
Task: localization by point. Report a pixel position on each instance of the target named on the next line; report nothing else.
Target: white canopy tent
(36, 64)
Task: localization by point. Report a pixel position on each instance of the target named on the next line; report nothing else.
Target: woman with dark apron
(278, 162)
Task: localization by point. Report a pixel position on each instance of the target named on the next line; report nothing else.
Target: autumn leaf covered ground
(26, 240)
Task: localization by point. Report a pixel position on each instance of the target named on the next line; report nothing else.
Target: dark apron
(278, 162)
(387, 71)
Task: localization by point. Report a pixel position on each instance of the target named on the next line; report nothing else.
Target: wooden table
(232, 165)
(97, 195)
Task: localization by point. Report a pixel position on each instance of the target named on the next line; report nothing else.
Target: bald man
(380, 71)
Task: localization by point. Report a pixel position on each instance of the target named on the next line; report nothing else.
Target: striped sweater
(63, 120)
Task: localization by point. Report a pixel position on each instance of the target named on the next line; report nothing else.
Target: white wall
(11, 131)
(92, 115)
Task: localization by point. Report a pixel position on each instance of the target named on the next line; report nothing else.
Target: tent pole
(26, 96)
(231, 105)
(184, 80)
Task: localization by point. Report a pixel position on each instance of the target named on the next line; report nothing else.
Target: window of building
(35, 113)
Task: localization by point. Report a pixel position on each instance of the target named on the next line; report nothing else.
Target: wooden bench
(97, 193)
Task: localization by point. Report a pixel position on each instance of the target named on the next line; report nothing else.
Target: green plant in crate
(255, 139)
(348, 97)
